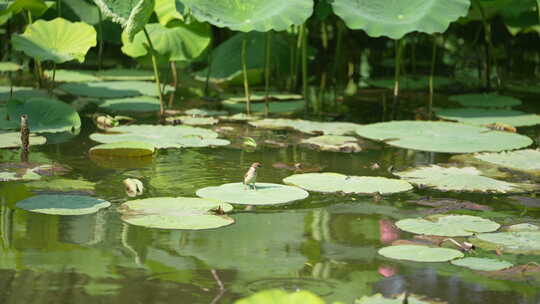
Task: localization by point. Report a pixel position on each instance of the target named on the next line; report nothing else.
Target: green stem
(59, 7)
(244, 72)
(489, 46)
(208, 71)
(337, 55)
(303, 33)
(267, 72)
(397, 69)
(101, 42)
(431, 74)
(156, 71)
(175, 82)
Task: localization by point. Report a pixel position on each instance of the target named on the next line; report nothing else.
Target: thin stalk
(322, 88)
(51, 86)
(208, 71)
(267, 72)
(298, 57)
(156, 71)
(244, 71)
(304, 64)
(101, 42)
(175, 82)
(337, 55)
(413, 56)
(431, 74)
(488, 45)
(37, 66)
(292, 64)
(397, 70)
(59, 7)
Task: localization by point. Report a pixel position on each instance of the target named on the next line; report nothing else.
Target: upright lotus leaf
(483, 264)
(467, 179)
(131, 14)
(57, 40)
(274, 296)
(480, 117)
(334, 143)
(36, 7)
(251, 15)
(131, 104)
(63, 204)
(166, 11)
(125, 74)
(438, 136)
(397, 18)
(85, 11)
(112, 89)
(61, 75)
(46, 114)
(522, 242)
(485, 100)
(176, 213)
(400, 299)
(419, 253)
(162, 136)
(266, 194)
(13, 140)
(178, 42)
(6, 66)
(447, 225)
(335, 182)
(527, 160)
(124, 149)
(20, 93)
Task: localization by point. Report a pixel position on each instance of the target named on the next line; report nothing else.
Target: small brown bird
(251, 175)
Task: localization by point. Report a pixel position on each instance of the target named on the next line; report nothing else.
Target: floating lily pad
(71, 76)
(485, 100)
(261, 96)
(18, 174)
(124, 149)
(204, 112)
(6, 66)
(523, 227)
(411, 82)
(335, 182)
(438, 136)
(125, 74)
(112, 89)
(334, 143)
(192, 121)
(480, 117)
(131, 104)
(63, 204)
(20, 93)
(240, 117)
(281, 107)
(400, 299)
(279, 296)
(447, 225)
(419, 253)
(527, 160)
(61, 184)
(525, 242)
(13, 140)
(307, 126)
(266, 194)
(483, 264)
(522, 88)
(162, 136)
(176, 213)
(467, 179)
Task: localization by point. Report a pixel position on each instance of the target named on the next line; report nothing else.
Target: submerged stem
(156, 71)
(244, 72)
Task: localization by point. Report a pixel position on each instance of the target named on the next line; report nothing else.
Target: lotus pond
(395, 169)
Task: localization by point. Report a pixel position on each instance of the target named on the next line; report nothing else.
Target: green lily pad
(485, 100)
(483, 264)
(13, 140)
(240, 117)
(125, 74)
(266, 194)
(261, 96)
(334, 143)
(62, 184)
(307, 126)
(522, 88)
(480, 117)
(19, 172)
(251, 15)
(192, 121)
(71, 75)
(57, 40)
(419, 253)
(63, 204)
(274, 296)
(400, 299)
(411, 82)
(162, 136)
(447, 225)
(524, 242)
(397, 18)
(6, 66)
(21, 93)
(176, 213)
(335, 182)
(467, 179)
(132, 15)
(131, 104)
(112, 89)
(204, 112)
(438, 136)
(124, 149)
(527, 160)
(275, 107)
(523, 227)
(45, 114)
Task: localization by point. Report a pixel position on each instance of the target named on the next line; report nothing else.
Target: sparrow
(251, 175)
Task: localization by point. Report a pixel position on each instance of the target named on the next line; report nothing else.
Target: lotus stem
(488, 45)
(339, 43)
(292, 64)
(431, 75)
(303, 33)
(397, 70)
(25, 138)
(175, 82)
(156, 71)
(267, 72)
(101, 42)
(208, 71)
(59, 7)
(244, 71)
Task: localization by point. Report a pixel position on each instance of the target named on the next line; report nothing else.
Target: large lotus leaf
(71, 75)
(162, 136)
(420, 253)
(125, 74)
(485, 100)
(274, 296)
(335, 143)
(46, 114)
(402, 298)
(176, 213)
(131, 104)
(6, 66)
(477, 116)
(131, 14)
(448, 225)
(20, 93)
(63, 204)
(397, 18)
(525, 242)
(112, 89)
(57, 40)
(527, 160)
(483, 264)
(61, 184)
(307, 126)
(84, 10)
(335, 182)
(179, 42)
(251, 15)
(438, 136)
(266, 194)
(281, 107)
(411, 82)
(467, 179)
(13, 140)
(166, 11)
(124, 149)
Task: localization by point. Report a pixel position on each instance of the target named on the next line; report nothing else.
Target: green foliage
(124, 149)
(480, 117)
(483, 264)
(131, 14)
(266, 194)
(448, 225)
(279, 296)
(419, 253)
(13, 140)
(63, 204)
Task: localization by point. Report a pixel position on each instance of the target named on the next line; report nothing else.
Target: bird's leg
(254, 188)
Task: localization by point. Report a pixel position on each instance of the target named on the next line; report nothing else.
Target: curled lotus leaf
(63, 204)
(485, 100)
(335, 182)
(418, 253)
(525, 242)
(483, 264)
(447, 225)
(480, 117)
(188, 213)
(266, 194)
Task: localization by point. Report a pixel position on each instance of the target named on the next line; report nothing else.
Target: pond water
(326, 243)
